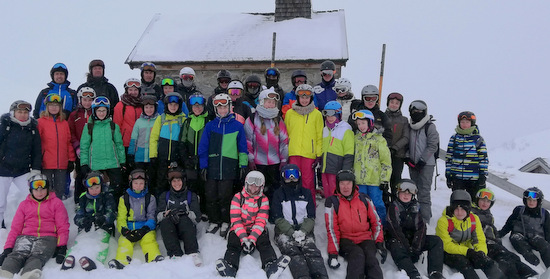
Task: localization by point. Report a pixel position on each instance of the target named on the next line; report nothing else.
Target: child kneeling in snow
(39, 231)
(178, 212)
(95, 207)
(136, 222)
(249, 213)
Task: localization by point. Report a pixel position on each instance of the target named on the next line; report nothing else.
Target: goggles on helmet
(187, 77)
(327, 72)
(224, 80)
(257, 181)
(167, 81)
(24, 106)
(52, 98)
(221, 102)
(291, 175)
(532, 194)
(418, 106)
(395, 96)
(368, 98)
(340, 90)
(359, 115)
(329, 112)
(90, 95)
(94, 180)
(102, 101)
(35, 184)
(271, 72)
(138, 175)
(148, 66)
(485, 195)
(273, 96)
(467, 116)
(59, 65)
(133, 83)
(304, 93)
(173, 99)
(196, 99)
(234, 91)
(407, 186)
(299, 80)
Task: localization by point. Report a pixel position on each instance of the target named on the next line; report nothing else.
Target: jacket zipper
(57, 141)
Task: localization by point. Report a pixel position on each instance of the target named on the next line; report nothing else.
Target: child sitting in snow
(507, 261)
(530, 227)
(178, 212)
(40, 230)
(249, 213)
(136, 222)
(95, 207)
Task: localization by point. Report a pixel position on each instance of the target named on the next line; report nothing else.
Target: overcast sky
(490, 57)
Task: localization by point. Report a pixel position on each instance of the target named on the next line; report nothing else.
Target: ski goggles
(102, 101)
(273, 96)
(52, 98)
(24, 106)
(485, 195)
(466, 115)
(196, 99)
(271, 72)
(95, 180)
(532, 195)
(59, 65)
(224, 80)
(304, 93)
(327, 73)
(167, 81)
(90, 95)
(359, 115)
(299, 80)
(97, 62)
(418, 106)
(187, 77)
(256, 181)
(340, 90)
(407, 186)
(252, 85)
(133, 83)
(41, 183)
(395, 95)
(173, 99)
(234, 91)
(148, 66)
(330, 112)
(221, 102)
(138, 175)
(370, 98)
(291, 175)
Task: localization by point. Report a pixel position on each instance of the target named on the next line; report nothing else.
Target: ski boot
(87, 264)
(275, 268)
(225, 269)
(436, 275)
(33, 274)
(68, 263)
(114, 263)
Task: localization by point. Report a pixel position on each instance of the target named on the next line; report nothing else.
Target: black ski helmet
(250, 79)
(328, 65)
(468, 115)
(223, 74)
(533, 193)
(295, 74)
(418, 110)
(167, 101)
(345, 175)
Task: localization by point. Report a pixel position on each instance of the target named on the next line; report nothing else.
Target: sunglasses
(24, 106)
(96, 180)
(370, 99)
(102, 101)
(234, 91)
(173, 99)
(221, 102)
(407, 186)
(253, 85)
(256, 181)
(330, 112)
(304, 93)
(224, 80)
(301, 80)
(59, 65)
(187, 77)
(359, 115)
(38, 184)
(88, 95)
(273, 96)
(167, 81)
(486, 195)
(196, 99)
(52, 98)
(532, 195)
(133, 83)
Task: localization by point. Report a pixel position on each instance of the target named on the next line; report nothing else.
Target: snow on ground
(505, 159)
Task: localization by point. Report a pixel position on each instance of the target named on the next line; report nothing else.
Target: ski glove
(130, 161)
(299, 236)
(382, 251)
(70, 167)
(414, 254)
(384, 186)
(248, 246)
(243, 173)
(481, 181)
(204, 174)
(85, 169)
(476, 256)
(4, 254)
(251, 165)
(333, 261)
(87, 223)
(140, 233)
(60, 254)
(317, 162)
(420, 165)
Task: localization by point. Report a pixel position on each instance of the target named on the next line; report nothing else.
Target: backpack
(127, 202)
(436, 153)
(451, 226)
(91, 129)
(189, 196)
(336, 202)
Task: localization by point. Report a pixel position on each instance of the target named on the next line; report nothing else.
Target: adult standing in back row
(323, 91)
(96, 80)
(60, 86)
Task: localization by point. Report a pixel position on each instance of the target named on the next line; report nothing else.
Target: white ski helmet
(235, 84)
(342, 84)
(83, 90)
(254, 178)
(304, 87)
(268, 94)
(187, 71)
(221, 100)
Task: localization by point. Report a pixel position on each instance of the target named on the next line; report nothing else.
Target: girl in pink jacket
(40, 230)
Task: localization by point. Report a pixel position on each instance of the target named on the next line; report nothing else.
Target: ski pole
(381, 73)
(273, 45)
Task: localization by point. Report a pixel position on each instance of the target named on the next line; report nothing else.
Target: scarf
(461, 131)
(303, 110)
(22, 123)
(130, 100)
(421, 123)
(333, 124)
(266, 113)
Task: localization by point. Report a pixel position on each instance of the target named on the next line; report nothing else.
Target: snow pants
(423, 180)
(396, 171)
(524, 246)
(30, 253)
(306, 259)
(148, 244)
(172, 233)
(361, 259)
(93, 244)
(329, 184)
(375, 194)
(116, 186)
(404, 260)
(78, 186)
(5, 185)
(308, 179)
(272, 178)
(196, 185)
(467, 267)
(233, 253)
(508, 262)
(161, 177)
(57, 180)
(218, 200)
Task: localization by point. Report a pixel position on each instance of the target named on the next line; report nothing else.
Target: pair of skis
(85, 262)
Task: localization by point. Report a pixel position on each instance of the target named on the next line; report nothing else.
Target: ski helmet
(304, 87)
(223, 74)
(295, 74)
(254, 178)
(53, 98)
(172, 97)
(86, 92)
(344, 175)
(418, 110)
(253, 86)
(342, 85)
(187, 71)
(235, 84)
(328, 65)
(149, 66)
(291, 175)
(137, 174)
(272, 72)
(407, 185)
(364, 114)
(268, 94)
(396, 96)
(59, 67)
(221, 100)
(461, 198)
(485, 193)
(369, 90)
(20, 104)
(92, 178)
(98, 102)
(38, 180)
(533, 193)
(96, 62)
(174, 171)
(197, 98)
(333, 108)
(132, 82)
(167, 82)
(468, 115)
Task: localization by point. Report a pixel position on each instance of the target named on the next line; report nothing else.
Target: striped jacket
(139, 142)
(466, 157)
(268, 149)
(249, 215)
(338, 148)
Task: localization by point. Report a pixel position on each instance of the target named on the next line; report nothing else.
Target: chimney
(289, 9)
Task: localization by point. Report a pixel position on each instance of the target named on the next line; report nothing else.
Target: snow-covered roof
(538, 165)
(242, 38)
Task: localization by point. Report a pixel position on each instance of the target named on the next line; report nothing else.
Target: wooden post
(273, 46)
(381, 73)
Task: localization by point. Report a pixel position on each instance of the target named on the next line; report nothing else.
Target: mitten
(384, 186)
(420, 165)
(87, 223)
(70, 167)
(299, 236)
(4, 254)
(382, 251)
(60, 254)
(333, 261)
(85, 169)
(248, 246)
